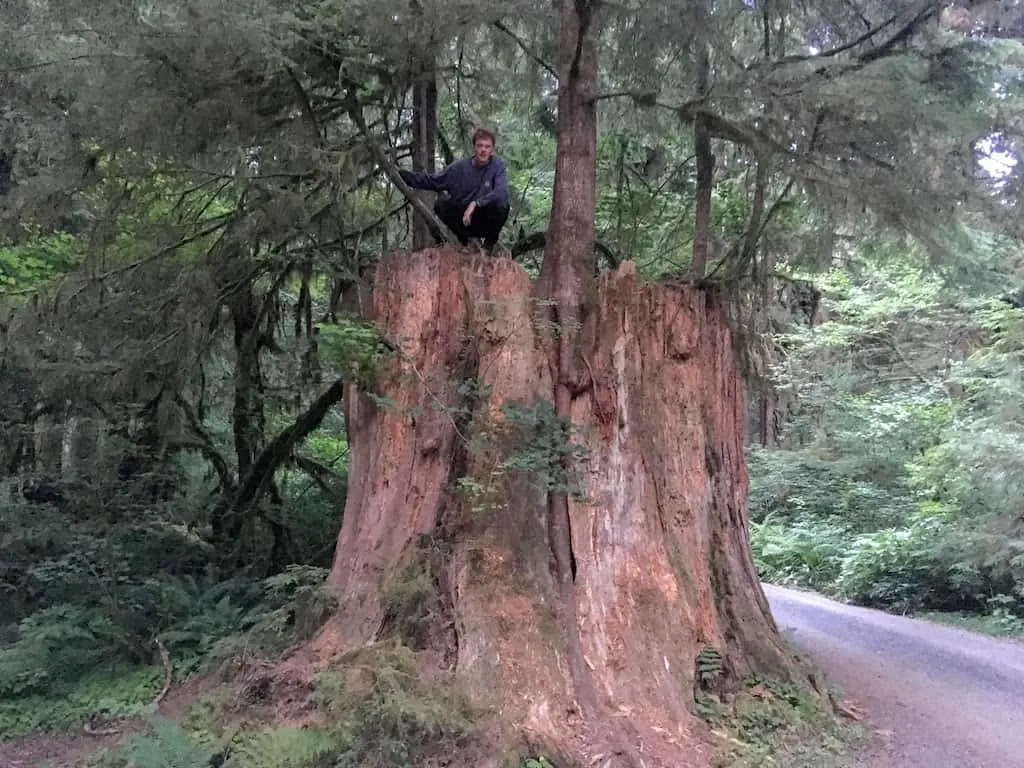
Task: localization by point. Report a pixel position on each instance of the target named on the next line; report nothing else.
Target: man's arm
(499, 190)
(435, 182)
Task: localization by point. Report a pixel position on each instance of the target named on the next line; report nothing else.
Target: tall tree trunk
(705, 168)
(227, 522)
(68, 458)
(567, 284)
(424, 138)
(47, 443)
(247, 405)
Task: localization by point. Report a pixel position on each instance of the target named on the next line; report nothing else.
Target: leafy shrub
(117, 692)
(166, 746)
(284, 748)
(54, 645)
(57, 651)
(803, 486)
(773, 722)
(292, 606)
(411, 600)
(803, 553)
(389, 715)
(896, 567)
(355, 347)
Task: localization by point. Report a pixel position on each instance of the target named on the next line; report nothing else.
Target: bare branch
(205, 445)
(526, 49)
(925, 11)
(318, 473)
(307, 105)
(355, 111)
(536, 241)
(261, 474)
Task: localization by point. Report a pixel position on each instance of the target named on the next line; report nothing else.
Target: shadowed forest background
(190, 194)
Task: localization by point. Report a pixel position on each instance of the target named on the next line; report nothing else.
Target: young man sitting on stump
(476, 205)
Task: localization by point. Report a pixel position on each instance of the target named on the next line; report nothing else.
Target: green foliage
(800, 552)
(772, 722)
(177, 284)
(54, 645)
(898, 476)
(26, 268)
(411, 598)
(1000, 623)
(356, 348)
(169, 745)
(894, 568)
(387, 714)
(298, 602)
(545, 447)
(166, 746)
(284, 748)
(377, 709)
(56, 649)
(862, 492)
(709, 666)
(115, 692)
(396, 724)
(290, 608)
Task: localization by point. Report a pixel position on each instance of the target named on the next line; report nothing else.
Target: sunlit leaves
(27, 268)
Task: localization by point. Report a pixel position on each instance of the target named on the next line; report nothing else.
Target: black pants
(485, 224)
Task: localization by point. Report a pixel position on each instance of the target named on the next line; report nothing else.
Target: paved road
(940, 696)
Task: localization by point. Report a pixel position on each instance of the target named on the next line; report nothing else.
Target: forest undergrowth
(895, 482)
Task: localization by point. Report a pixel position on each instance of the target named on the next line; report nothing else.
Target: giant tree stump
(659, 528)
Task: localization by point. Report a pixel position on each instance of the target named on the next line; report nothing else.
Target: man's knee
(501, 212)
(494, 216)
(446, 209)
(450, 215)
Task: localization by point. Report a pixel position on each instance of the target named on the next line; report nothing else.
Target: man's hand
(468, 214)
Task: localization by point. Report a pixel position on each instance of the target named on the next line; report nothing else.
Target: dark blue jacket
(465, 183)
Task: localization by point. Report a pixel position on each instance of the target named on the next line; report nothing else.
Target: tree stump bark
(662, 568)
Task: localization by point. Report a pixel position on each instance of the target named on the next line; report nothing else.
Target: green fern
(709, 665)
(167, 746)
(120, 691)
(284, 748)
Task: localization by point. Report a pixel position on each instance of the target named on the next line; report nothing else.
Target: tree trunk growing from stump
(458, 446)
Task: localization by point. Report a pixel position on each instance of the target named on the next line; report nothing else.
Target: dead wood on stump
(658, 530)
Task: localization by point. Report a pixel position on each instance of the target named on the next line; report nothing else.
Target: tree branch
(219, 222)
(205, 445)
(536, 241)
(640, 98)
(261, 474)
(927, 8)
(318, 473)
(307, 105)
(926, 11)
(355, 111)
(754, 223)
(526, 49)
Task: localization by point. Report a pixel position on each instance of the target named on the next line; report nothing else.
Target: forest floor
(73, 748)
(931, 696)
(935, 696)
